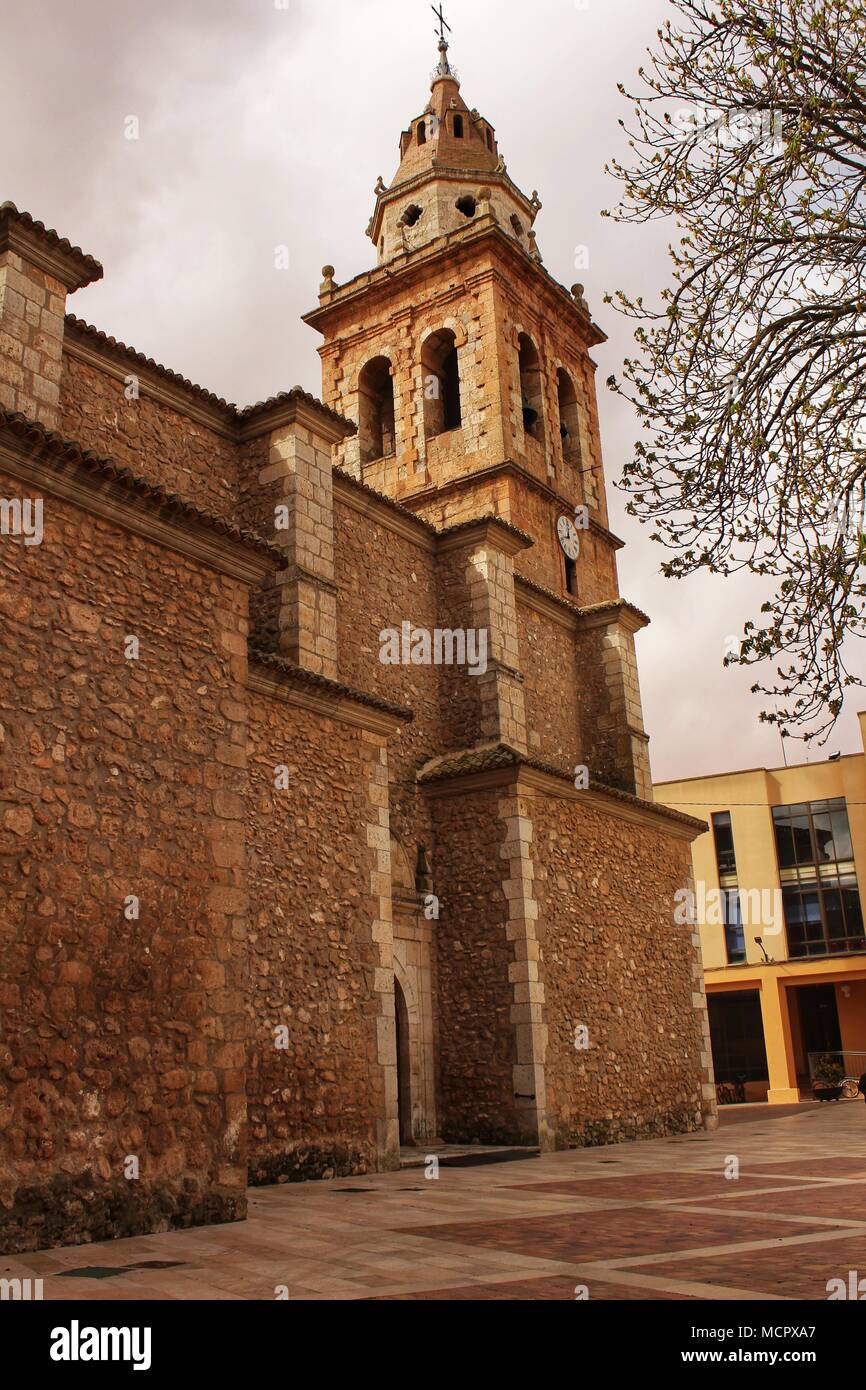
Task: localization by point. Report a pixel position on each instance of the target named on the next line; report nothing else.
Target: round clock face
(568, 537)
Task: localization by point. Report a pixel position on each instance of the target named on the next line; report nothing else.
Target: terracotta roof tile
(494, 756)
(296, 393)
(480, 520)
(233, 413)
(610, 605)
(561, 599)
(384, 498)
(56, 450)
(119, 349)
(299, 675)
(88, 268)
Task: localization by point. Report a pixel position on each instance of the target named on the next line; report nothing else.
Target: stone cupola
(450, 170)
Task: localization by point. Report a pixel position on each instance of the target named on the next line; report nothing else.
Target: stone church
(326, 823)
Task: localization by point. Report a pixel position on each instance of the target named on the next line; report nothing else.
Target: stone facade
(271, 900)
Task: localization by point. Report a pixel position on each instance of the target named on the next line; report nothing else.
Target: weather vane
(442, 24)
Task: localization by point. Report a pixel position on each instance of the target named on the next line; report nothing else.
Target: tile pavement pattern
(646, 1220)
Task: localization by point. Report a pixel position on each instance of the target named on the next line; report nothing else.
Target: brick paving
(650, 1220)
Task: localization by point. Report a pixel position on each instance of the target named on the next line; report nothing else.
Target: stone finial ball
(577, 291)
(328, 272)
(484, 194)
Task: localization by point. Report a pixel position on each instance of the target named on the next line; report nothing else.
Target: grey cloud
(262, 126)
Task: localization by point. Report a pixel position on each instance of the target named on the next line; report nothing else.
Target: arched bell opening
(531, 388)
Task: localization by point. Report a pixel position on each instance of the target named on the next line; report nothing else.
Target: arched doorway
(404, 1070)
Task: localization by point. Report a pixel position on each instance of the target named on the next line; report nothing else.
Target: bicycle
(731, 1092)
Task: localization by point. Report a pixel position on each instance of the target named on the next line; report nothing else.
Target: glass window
(835, 916)
(823, 837)
(853, 912)
(784, 842)
(813, 833)
(803, 852)
(823, 913)
(735, 939)
(724, 837)
(841, 834)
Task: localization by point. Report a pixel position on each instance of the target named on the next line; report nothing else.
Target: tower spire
(444, 69)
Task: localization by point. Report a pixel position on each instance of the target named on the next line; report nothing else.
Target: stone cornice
(306, 576)
(437, 172)
(45, 463)
(214, 416)
(492, 530)
(613, 611)
(505, 468)
(613, 802)
(534, 777)
(45, 249)
(281, 680)
(383, 511)
(422, 264)
(487, 530)
(545, 602)
(169, 388)
(294, 408)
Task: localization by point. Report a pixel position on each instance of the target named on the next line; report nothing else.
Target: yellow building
(778, 890)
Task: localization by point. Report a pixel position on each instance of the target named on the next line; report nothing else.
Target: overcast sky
(262, 126)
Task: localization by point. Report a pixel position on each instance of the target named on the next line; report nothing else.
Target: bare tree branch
(750, 378)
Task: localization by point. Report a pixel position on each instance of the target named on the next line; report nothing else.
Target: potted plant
(828, 1078)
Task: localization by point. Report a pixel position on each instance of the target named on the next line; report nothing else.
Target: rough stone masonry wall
(615, 961)
(477, 1044)
(607, 745)
(159, 444)
(31, 339)
(256, 511)
(120, 1038)
(460, 606)
(384, 579)
(313, 1104)
(551, 680)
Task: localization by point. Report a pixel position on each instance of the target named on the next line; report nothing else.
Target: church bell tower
(460, 353)
(466, 367)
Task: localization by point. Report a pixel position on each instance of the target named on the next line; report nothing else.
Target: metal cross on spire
(443, 25)
(444, 69)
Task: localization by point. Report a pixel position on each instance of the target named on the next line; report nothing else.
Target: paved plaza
(650, 1220)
